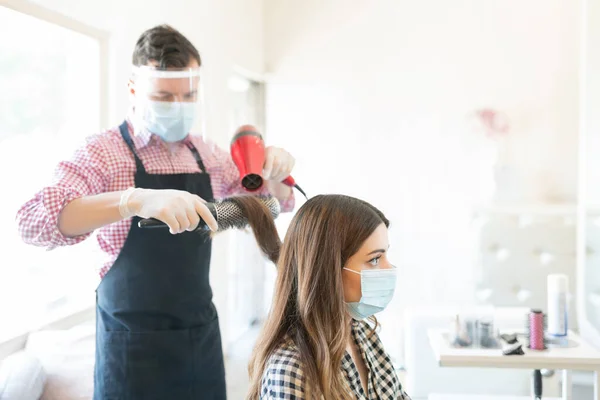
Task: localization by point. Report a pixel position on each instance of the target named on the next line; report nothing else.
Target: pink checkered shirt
(105, 164)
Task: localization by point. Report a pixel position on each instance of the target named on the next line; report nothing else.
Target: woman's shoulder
(283, 374)
(285, 360)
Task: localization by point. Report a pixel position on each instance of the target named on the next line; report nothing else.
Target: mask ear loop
(356, 272)
(392, 268)
(351, 270)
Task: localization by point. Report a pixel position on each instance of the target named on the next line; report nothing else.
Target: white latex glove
(278, 164)
(179, 209)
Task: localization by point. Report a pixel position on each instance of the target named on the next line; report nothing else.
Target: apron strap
(196, 156)
(124, 128)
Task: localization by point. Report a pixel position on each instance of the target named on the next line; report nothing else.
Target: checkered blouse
(283, 377)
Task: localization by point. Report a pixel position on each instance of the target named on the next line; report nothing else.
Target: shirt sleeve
(232, 184)
(283, 378)
(85, 174)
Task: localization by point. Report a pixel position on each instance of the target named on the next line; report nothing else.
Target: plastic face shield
(168, 102)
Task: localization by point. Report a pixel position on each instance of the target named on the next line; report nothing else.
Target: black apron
(157, 331)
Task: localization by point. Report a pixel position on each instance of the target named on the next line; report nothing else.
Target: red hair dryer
(248, 154)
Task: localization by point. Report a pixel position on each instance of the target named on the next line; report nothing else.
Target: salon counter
(578, 355)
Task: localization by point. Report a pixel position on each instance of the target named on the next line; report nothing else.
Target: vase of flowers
(495, 128)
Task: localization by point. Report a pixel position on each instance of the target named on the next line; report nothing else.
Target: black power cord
(300, 190)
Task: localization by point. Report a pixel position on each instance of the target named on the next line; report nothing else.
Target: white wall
(592, 99)
(226, 32)
(372, 98)
(590, 173)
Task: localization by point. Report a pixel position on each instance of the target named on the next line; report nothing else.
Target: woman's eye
(375, 261)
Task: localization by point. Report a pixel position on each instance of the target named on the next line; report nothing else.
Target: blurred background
(471, 124)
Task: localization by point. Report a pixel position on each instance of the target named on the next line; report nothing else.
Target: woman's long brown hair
(308, 305)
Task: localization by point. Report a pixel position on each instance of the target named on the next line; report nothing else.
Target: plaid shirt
(105, 164)
(283, 377)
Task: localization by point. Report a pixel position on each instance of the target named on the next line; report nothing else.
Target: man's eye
(160, 96)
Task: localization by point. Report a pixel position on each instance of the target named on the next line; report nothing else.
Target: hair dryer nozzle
(248, 154)
(252, 182)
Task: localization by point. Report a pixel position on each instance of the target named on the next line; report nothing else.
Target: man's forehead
(189, 82)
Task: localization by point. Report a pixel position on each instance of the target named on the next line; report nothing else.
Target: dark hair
(308, 304)
(166, 46)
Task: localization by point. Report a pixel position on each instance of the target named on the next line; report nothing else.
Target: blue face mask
(171, 121)
(377, 288)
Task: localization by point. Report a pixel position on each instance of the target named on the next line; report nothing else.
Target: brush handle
(153, 223)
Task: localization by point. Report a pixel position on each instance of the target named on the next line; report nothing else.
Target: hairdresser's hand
(278, 164)
(179, 209)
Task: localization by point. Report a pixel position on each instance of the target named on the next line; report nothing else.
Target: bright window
(50, 81)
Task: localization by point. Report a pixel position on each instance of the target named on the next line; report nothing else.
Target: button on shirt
(105, 164)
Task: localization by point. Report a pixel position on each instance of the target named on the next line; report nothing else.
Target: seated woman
(320, 340)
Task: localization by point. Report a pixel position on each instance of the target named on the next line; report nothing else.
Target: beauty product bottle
(558, 288)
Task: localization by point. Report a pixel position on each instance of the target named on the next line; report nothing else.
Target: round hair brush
(536, 326)
(227, 213)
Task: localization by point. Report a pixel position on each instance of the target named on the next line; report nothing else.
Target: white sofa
(68, 358)
(22, 377)
(54, 365)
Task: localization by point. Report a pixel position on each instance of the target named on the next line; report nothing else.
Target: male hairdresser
(157, 333)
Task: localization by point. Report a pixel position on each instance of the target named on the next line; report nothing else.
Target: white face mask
(377, 288)
(171, 121)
